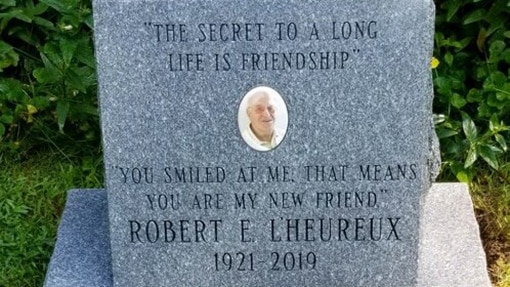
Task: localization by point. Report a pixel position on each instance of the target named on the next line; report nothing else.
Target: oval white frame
(281, 118)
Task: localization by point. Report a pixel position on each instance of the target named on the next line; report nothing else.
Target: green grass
(32, 198)
(501, 272)
(491, 197)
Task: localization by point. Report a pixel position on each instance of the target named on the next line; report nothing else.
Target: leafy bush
(47, 73)
(472, 86)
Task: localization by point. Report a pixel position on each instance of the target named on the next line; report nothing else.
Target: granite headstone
(198, 197)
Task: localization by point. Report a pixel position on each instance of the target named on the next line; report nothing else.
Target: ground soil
(497, 248)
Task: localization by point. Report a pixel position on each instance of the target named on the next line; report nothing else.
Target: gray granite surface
(82, 253)
(451, 253)
(192, 203)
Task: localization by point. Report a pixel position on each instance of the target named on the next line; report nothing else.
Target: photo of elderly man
(263, 111)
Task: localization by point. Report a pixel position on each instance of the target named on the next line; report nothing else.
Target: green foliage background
(472, 85)
(47, 74)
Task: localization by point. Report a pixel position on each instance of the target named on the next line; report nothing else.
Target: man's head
(261, 112)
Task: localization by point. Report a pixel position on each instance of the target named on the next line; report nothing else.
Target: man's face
(262, 114)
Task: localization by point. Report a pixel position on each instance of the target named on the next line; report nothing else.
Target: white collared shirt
(253, 141)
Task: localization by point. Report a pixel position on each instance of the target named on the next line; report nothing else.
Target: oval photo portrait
(263, 118)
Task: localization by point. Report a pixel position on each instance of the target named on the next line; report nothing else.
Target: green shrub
(47, 73)
(471, 84)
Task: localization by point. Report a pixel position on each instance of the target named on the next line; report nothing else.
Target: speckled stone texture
(451, 253)
(337, 203)
(82, 253)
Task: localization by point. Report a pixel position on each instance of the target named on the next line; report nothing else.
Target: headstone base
(82, 255)
(451, 253)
